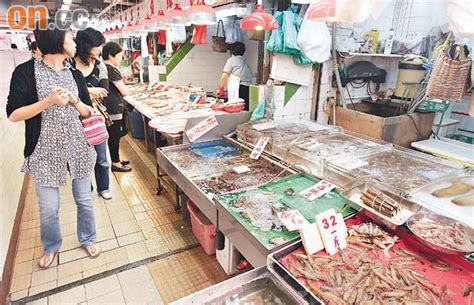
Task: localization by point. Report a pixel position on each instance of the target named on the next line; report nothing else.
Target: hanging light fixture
(157, 21)
(323, 10)
(201, 14)
(259, 20)
(176, 16)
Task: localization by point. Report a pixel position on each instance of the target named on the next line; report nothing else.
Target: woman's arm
(27, 112)
(58, 97)
(83, 109)
(224, 80)
(121, 87)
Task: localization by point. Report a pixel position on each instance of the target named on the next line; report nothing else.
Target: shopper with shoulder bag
(51, 97)
(89, 47)
(115, 103)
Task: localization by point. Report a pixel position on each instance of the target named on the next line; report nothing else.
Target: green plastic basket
(462, 138)
(432, 106)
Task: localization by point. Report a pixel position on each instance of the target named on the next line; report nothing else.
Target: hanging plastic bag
(259, 112)
(200, 34)
(314, 40)
(177, 34)
(275, 42)
(232, 30)
(290, 33)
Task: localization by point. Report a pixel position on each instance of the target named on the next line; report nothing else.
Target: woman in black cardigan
(51, 96)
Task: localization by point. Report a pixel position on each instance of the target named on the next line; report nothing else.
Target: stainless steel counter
(247, 282)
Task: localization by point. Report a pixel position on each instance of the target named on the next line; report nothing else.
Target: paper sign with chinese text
(333, 231)
(292, 219)
(202, 128)
(258, 149)
(319, 189)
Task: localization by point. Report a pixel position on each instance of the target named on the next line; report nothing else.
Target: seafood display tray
(445, 206)
(285, 129)
(255, 243)
(400, 170)
(408, 208)
(184, 168)
(298, 183)
(217, 148)
(457, 278)
(311, 151)
(246, 284)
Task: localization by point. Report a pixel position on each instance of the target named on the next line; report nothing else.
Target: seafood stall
(452, 196)
(249, 132)
(310, 151)
(205, 169)
(381, 267)
(401, 171)
(249, 218)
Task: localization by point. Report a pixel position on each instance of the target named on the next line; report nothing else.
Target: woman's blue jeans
(49, 202)
(101, 168)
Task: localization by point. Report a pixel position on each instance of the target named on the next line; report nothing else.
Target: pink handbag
(95, 129)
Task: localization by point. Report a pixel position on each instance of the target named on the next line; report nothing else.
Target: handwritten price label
(292, 219)
(202, 128)
(319, 189)
(333, 231)
(258, 149)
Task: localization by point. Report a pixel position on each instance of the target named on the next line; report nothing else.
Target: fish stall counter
(383, 266)
(252, 221)
(248, 133)
(211, 168)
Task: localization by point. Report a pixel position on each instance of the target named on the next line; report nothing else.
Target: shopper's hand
(59, 96)
(98, 93)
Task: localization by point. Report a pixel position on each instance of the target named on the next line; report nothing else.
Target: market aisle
(135, 228)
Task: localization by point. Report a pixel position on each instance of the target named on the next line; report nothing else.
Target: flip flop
(46, 266)
(94, 254)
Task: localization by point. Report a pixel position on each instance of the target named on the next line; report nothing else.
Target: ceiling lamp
(323, 10)
(176, 16)
(201, 14)
(157, 21)
(259, 20)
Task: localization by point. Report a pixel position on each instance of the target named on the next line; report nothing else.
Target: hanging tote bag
(218, 43)
(95, 129)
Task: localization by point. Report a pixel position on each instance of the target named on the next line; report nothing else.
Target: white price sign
(258, 149)
(202, 128)
(319, 189)
(333, 231)
(292, 219)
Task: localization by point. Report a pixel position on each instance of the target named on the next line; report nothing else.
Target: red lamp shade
(259, 20)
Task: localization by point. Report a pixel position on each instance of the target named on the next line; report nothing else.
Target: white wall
(203, 67)
(11, 156)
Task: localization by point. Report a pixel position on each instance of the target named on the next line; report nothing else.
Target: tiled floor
(135, 228)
